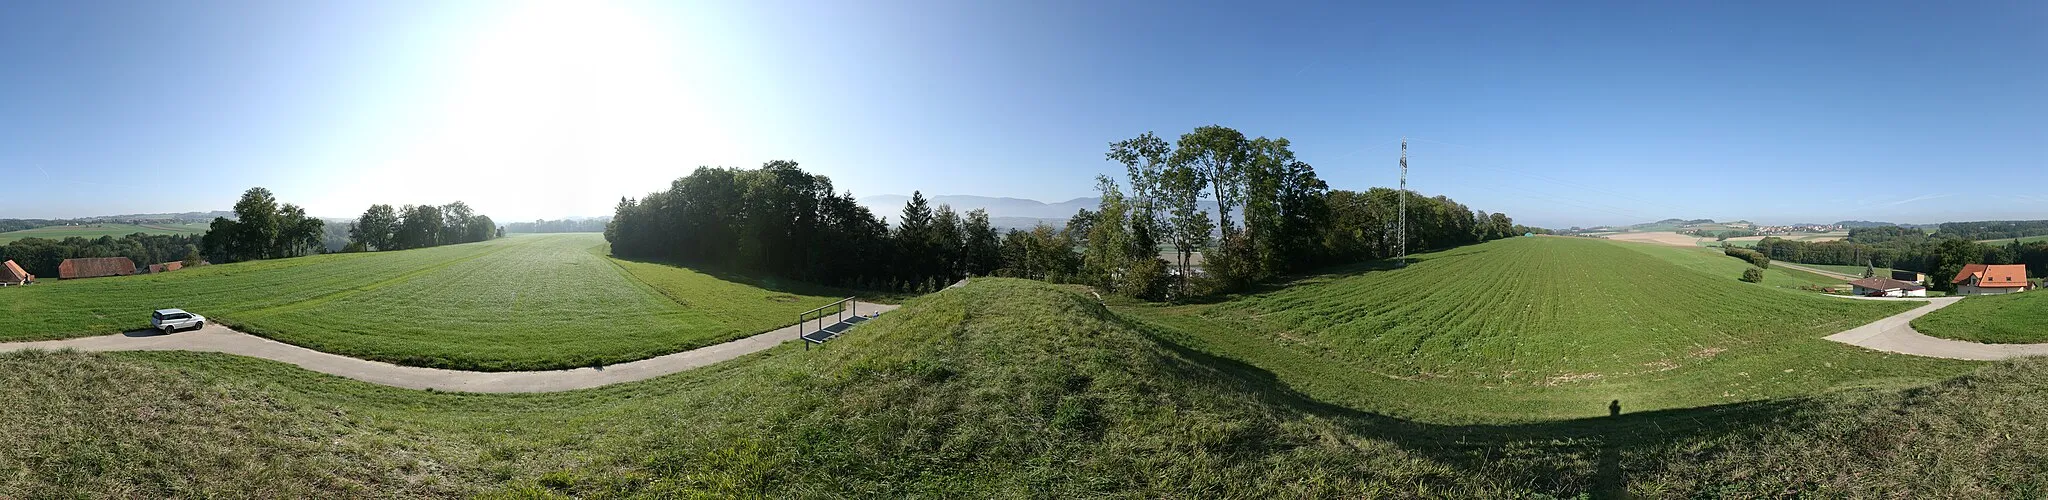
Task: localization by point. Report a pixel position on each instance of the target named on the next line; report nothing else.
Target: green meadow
(2020, 318)
(1533, 329)
(1003, 388)
(529, 302)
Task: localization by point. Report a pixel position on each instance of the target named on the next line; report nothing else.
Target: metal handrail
(849, 305)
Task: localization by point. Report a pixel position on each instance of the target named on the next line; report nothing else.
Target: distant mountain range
(1003, 213)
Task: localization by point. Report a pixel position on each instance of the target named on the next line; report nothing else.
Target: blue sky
(1559, 114)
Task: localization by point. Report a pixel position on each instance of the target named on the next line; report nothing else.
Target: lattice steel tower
(1402, 261)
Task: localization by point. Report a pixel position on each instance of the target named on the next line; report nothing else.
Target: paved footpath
(1896, 334)
(216, 338)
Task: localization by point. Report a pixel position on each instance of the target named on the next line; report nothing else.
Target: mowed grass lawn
(1544, 328)
(1000, 389)
(98, 230)
(2020, 318)
(527, 302)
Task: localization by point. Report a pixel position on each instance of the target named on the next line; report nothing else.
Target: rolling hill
(1545, 328)
(1003, 388)
(527, 302)
(95, 230)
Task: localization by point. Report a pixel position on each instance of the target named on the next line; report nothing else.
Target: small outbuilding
(1992, 279)
(12, 274)
(1909, 277)
(72, 269)
(1886, 287)
(166, 267)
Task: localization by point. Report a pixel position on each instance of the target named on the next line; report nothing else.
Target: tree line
(1273, 215)
(1939, 255)
(382, 227)
(263, 229)
(40, 256)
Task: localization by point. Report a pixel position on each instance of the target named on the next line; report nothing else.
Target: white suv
(170, 320)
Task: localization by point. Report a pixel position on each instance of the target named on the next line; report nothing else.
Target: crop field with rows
(518, 303)
(1532, 328)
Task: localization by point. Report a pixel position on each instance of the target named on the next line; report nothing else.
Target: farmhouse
(1887, 287)
(166, 267)
(11, 274)
(95, 267)
(1989, 279)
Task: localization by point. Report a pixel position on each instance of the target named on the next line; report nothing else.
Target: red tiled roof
(95, 267)
(13, 273)
(1993, 275)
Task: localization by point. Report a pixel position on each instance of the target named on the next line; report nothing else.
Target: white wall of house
(1975, 290)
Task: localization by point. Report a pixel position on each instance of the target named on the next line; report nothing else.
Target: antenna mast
(1402, 261)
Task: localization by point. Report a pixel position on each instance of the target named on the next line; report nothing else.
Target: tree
(1180, 188)
(1145, 159)
(1753, 275)
(983, 252)
(1869, 271)
(455, 219)
(1107, 251)
(917, 260)
(255, 229)
(948, 243)
(374, 229)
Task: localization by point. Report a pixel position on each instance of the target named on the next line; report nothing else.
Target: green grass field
(2020, 318)
(98, 230)
(1529, 329)
(526, 302)
(1004, 388)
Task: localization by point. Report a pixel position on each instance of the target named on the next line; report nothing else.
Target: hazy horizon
(1558, 115)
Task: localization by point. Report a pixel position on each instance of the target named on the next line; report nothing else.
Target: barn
(95, 267)
(12, 274)
(1991, 279)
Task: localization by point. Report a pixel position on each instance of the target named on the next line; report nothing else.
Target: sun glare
(557, 104)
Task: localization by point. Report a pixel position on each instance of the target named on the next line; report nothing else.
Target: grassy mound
(1542, 328)
(1003, 388)
(2020, 318)
(521, 303)
(83, 426)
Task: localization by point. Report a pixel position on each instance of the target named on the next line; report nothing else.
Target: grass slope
(1530, 329)
(1003, 388)
(518, 303)
(98, 230)
(2020, 318)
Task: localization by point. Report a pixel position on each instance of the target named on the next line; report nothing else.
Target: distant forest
(1275, 216)
(592, 225)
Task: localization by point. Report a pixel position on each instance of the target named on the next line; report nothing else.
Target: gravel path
(216, 338)
(1896, 334)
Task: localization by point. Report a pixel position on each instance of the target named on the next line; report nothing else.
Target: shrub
(1753, 275)
(1755, 258)
(1146, 279)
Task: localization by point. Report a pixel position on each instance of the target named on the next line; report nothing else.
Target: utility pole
(1402, 261)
